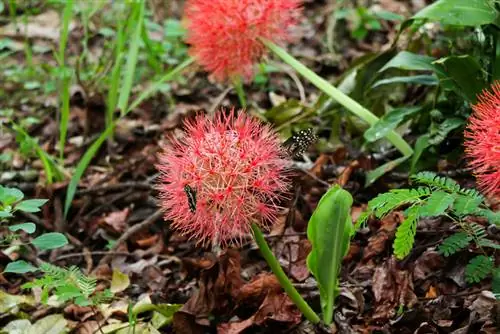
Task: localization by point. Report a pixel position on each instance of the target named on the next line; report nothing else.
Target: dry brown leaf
(378, 242)
(392, 288)
(276, 307)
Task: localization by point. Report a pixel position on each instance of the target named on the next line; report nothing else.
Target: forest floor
(115, 224)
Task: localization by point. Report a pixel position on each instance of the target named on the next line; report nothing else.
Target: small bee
(297, 144)
(191, 197)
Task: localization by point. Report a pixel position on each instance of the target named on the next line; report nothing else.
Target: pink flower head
(483, 140)
(236, 172)
(224, 34)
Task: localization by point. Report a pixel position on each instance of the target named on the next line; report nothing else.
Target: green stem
(337, 95)
(282, 278)
(238, 85)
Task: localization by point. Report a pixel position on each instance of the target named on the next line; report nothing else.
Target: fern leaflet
(454, 243)
(405, 234)
(478, 268)
(385, 203)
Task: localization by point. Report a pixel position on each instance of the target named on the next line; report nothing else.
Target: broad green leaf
(388, 122)
(436, 204)
(329, 232)
(460, 12)
(410, 61)
(50, 241)
(373, 175)
(420, 145)
(119, 281)
(9, 196)
(26, 227)
(427, 80)
(31, 205)
(19, 267)
(463, 74)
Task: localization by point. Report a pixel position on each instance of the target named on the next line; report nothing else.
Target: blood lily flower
(482, 145)
(224, 34)
(227, 172)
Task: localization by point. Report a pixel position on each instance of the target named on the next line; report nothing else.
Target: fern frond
(477, 231)
(439, 182)
(385, 203)
(405, 234)
(495, 282)
(454, 243)
(362, 220)
(466, 205)
(436, 204)
(478, 268)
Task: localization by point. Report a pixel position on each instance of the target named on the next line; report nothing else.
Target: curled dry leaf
(219, 285)
(392, 288)
(378, 242)
(276, 307)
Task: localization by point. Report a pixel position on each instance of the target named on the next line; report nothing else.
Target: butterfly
(297, 144)
(191, 197)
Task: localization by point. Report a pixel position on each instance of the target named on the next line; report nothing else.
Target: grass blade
(92, 150)
(133, 55)
(154, 87)
(65, 78)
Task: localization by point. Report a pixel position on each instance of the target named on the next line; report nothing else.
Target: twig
(131, 231)
(115, 187)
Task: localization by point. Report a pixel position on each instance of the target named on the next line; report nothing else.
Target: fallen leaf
(119, 281)
(219, 285)
(116, 222)
(276, 307)
(378, 242)
(392, 288)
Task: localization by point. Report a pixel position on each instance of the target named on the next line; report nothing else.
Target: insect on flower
(297, 144)
(191, 197)
(226, 172)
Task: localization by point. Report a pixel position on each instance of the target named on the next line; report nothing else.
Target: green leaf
(427, 80)
(9, 196)
(373, 175)
(478, 268)
(30, 205)
(388, 122)
(405, 234)
(329, 231)
(454, 243)
(463, 74)
(410, 61)
(495, 282)
(26, 227)
(50, 241)
(420, 145)
(466, 205)
(436, 204)
(119, 281)
(459, 12)
(19, 267)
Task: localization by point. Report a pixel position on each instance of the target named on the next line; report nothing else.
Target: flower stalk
(282, 278)
(337, 95)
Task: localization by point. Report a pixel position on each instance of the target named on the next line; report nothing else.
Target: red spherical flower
(482, 146)
(227, 172)
(224, 34)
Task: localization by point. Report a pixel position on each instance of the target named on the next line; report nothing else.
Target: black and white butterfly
(191, 197)
(297, 144)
